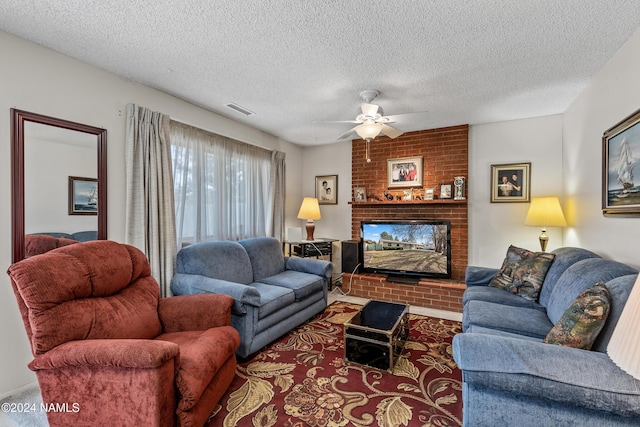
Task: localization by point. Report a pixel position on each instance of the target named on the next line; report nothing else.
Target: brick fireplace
(445, 156)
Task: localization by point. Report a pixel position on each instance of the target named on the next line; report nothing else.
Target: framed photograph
(359, 194)
(404, 172)
(620, 150)
(510, 183)
(445, 191)
(428, 194)
(83, 196)
(327, 189)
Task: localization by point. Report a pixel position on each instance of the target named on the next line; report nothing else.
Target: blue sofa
(272, 293)
(511, 378)
(80, 236)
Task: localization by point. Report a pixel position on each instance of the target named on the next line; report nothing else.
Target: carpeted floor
(303, 380)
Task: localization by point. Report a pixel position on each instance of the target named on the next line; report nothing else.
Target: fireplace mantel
(410, 202)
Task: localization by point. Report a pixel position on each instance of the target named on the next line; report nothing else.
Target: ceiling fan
(371, 122)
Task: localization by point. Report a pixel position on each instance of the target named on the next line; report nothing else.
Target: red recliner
(109, 350)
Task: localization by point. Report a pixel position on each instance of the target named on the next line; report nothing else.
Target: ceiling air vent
(239, 109)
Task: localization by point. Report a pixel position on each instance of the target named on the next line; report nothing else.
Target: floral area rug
(303, 380)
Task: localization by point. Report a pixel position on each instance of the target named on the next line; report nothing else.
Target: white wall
(332, 159)
(46, 183)
(613, 94)
(495, 226)
(40, 80)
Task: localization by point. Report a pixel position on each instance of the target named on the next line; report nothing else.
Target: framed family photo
(83, 196)
(510, 183)
(404, 172)
(359, 194)
(327, 189)
(620, 149)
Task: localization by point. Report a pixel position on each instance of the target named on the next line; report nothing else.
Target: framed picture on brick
(445, 191)
(404, 172)
(359, 194)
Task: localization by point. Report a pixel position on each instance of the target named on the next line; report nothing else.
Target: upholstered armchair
(108, 349)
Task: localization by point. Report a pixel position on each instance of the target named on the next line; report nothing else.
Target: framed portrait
(445, 191)
(404, 172)
(428, 194)
(620, 150)
(359, 194)
(327, 189)
(510, 183)
(83, 196)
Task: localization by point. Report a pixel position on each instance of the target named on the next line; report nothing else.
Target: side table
(310, 248)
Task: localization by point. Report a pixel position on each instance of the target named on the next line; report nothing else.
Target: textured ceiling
(297, 62)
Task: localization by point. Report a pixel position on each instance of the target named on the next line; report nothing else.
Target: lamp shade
(368, 130)
(624, 345)
(545, 212)
(310, 209)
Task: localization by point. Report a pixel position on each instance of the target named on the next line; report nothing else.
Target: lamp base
(544, 239)
(310, 227)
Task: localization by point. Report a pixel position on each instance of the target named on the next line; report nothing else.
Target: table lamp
(624, 345)
(545, 212)
(309, 210)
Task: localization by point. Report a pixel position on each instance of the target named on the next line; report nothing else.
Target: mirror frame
(18, 118)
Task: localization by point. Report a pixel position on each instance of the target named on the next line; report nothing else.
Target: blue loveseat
(272, 293)
(512, 378)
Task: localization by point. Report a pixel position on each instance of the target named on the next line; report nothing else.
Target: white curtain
(222, 187)
(150, 221)
(277, 203)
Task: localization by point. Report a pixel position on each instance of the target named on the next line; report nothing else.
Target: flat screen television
(406, 250)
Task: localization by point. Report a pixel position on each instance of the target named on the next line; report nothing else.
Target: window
(221, 187)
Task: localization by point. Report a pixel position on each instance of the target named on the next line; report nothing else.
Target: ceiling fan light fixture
(368, 131)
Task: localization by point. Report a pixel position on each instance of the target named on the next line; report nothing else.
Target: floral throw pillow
(523, 272)
(581, 323)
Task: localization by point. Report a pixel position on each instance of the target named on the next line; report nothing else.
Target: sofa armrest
(309, 265)
(195, 312)
(479, 276)
(117, 353)
(528, 368)
(243, 295)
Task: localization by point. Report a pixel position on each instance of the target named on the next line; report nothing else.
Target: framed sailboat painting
(83, 196)
(621, 170)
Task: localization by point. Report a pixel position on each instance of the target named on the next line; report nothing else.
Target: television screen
(409, 248)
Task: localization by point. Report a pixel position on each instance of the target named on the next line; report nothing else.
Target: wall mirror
(59, 180)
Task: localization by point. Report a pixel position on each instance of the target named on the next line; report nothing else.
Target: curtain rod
(225, 136)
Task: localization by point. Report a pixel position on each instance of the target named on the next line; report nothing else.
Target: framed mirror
(59, 180)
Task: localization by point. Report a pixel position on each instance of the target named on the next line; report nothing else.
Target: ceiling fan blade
(391, 132)
(347, 134)
(369, 110)
(408, 117)
(336, 121)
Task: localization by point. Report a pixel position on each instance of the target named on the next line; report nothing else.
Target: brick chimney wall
(445, 155)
